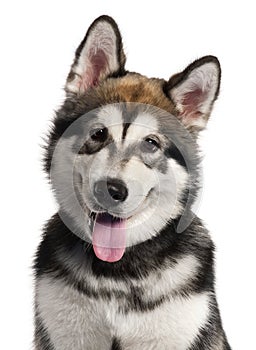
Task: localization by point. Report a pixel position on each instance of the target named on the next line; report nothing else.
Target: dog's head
(122, 152)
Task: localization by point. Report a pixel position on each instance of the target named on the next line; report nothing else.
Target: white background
(37, 44)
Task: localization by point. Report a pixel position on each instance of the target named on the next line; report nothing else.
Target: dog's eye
(99, 135)
(150, 145)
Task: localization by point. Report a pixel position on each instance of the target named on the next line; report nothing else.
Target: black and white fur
(161, 294)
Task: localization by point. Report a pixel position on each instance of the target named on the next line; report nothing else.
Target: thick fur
(161, 294)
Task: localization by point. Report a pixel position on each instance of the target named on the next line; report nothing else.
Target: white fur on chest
(75, 321)
(174, 325)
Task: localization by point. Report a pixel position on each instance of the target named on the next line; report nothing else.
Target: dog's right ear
(99, 55)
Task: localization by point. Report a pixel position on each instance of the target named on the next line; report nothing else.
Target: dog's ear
(99, 55)
(194, 91)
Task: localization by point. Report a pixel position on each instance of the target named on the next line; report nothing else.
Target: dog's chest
(143, 316)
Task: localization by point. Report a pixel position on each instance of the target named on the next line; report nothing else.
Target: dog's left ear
(194, 91)
(99, 55)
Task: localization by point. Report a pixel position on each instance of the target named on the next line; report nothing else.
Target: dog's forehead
(134, 114)
(110, 115)
(128, 122)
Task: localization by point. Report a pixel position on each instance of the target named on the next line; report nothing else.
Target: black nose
(111, 191)
(117, 189)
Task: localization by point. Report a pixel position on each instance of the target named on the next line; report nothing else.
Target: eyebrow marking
(125, 128)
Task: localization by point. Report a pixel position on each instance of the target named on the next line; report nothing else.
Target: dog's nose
(110, 191)
(117, 190)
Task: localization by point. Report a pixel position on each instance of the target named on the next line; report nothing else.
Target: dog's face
(122, 153)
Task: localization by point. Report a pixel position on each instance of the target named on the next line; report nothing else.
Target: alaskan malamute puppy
(125, 264)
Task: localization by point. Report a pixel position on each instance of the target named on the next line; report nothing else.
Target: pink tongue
(109, 238)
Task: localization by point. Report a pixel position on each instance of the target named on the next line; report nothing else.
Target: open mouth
(109, 233)
(108, 236)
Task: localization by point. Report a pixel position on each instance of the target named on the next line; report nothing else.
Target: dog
(125, 263)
